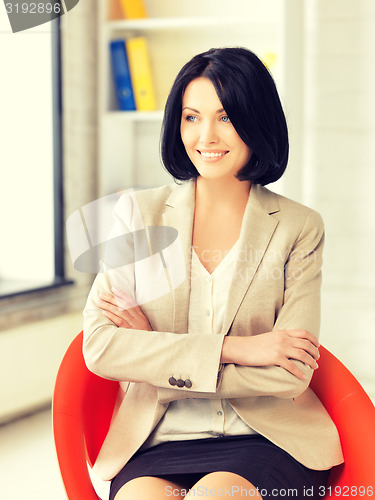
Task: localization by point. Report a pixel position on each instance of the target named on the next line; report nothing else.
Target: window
(31, 221)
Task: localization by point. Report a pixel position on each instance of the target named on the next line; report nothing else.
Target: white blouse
(203, 418)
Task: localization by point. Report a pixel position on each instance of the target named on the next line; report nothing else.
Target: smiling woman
(208, 134)
(253, 110)
(215, 370)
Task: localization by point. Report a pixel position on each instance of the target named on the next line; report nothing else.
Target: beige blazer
(276, 285)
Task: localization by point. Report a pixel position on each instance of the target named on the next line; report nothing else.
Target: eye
(225, 119)
(191, 118)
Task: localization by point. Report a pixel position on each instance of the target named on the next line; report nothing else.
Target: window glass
(27, 232)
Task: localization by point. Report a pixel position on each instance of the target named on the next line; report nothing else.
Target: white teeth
(212, 155)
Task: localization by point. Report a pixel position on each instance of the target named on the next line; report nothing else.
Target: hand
(278, 348)
(123, 311)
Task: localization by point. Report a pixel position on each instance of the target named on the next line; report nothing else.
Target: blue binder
(121, 76)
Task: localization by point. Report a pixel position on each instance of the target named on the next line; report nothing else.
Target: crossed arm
(278, 362)
(241, 358)
(277, 347)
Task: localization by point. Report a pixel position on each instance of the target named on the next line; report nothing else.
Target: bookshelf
(175, 30)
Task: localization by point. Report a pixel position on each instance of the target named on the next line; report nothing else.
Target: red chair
(83, 405)
(354, 415)
(81, 411)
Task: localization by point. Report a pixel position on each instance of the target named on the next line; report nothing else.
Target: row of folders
(132, 76)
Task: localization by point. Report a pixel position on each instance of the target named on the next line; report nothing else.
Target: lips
(212, 154)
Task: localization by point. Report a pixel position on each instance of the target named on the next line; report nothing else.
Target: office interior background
(321, 53)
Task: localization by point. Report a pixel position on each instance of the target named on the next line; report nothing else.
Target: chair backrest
(82, 410)
(354, 415)
(83, 404)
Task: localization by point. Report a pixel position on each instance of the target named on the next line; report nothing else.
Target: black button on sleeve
(172, 381)
(180, 383)
(188, 383)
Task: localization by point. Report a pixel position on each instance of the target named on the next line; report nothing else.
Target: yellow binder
(133, 9)
(140, 72)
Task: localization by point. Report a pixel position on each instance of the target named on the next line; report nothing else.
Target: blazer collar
(258, 227)
(179, 213)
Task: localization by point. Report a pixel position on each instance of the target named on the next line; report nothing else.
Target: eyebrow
(196, 111)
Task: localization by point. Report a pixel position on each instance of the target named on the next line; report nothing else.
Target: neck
(220, 192)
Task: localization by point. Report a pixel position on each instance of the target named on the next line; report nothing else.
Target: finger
(308, 347)
(108, 297)
(297, 351)
(127, 301)
(293, 369)
(107, 306)
(313, 340)
(305, 358)
(117, 320)
(304, 334)
(114, 309)
(115, 303)
(112, 301)
(124, 296)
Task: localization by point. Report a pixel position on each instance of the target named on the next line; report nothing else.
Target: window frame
(58, 192)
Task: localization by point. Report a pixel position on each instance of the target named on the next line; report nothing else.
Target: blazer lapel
(257, 230)
(179, 213)
(258, 227)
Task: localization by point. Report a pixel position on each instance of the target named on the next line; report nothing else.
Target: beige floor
(28, 464)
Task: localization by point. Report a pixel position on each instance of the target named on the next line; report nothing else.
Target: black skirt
(272, 470)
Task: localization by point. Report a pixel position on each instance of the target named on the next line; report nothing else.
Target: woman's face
(210, 140)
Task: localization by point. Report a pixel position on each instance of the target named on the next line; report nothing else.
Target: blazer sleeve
(300, 310)
(137, 355)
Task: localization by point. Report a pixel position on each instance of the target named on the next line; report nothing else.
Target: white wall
(339, 177)
(29, 358)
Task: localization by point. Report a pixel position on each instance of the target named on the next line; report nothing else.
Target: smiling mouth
(207, 154)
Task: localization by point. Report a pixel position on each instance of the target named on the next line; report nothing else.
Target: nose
(208, 133)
